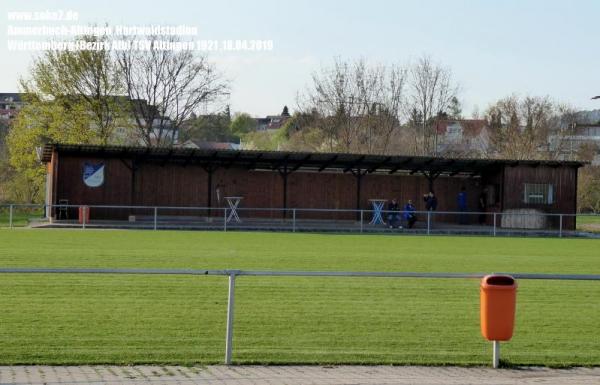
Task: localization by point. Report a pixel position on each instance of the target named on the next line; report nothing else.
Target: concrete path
(278, 375)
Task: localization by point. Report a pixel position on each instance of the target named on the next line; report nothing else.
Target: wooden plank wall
(116, 189)
(565, 184)
(175, 185)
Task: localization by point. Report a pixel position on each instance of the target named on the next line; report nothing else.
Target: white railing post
(293, 220)
(230, 308)
(361, 220)
(428, 222)
(10, 216)
(494, 223)
(83, 213)
(225, 219)
(155, 217)
(560, 225)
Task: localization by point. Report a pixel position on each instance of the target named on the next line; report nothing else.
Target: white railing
(297, 219)
(232, 274)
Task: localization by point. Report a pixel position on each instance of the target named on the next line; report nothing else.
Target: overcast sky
(493, 48)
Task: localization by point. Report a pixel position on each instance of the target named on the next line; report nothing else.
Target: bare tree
(356, 106)
(431, 90)
(530, 127)
(166, 87)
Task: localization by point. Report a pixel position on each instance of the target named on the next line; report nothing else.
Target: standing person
(394, 214)
(409, 214)
(461, 199)
(482, 205)
(431, 203)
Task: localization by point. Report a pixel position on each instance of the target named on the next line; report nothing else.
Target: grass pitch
(588, 223)
(87, 319)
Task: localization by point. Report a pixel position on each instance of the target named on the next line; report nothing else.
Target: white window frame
(539, 193)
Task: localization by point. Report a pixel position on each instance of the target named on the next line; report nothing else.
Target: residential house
(10, 104)
(586, 131)
(462, 137)
(273, 122)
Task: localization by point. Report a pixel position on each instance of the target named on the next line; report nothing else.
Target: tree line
(352, 106)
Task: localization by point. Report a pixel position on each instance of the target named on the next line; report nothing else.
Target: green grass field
(588, 223)
(588, 219)
(76, 319)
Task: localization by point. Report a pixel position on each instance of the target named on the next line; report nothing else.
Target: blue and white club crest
(93, 174)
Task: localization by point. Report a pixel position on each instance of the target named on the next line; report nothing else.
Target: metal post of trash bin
(496, 354)
(10, 217)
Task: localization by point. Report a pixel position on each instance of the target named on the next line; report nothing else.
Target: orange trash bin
(84, 211)
(498, 295)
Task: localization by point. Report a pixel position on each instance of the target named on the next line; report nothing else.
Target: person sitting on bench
(409, 214)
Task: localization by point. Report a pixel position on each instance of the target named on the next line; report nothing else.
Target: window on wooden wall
(539, 193)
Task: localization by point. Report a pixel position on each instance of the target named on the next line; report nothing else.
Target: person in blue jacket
(409, 214)
(461, 200)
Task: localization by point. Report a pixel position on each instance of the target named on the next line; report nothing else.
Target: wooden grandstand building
(182, 177)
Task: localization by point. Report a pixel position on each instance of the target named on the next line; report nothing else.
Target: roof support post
(284, 172)
(285, 179)
(358, 174)
(134, 167)
(210, 169)
(358, 187)
(431, 177)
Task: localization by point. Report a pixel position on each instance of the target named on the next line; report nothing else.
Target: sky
(494, 49)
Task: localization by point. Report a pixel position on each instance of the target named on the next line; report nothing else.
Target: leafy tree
(4, 166)
(69, 97)
(242, 124)
(260, 140)
(37, 123)
(307, 139)
(86, 82)
(588, 189)
(208, 128)
(3, 135)
(295, 124)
